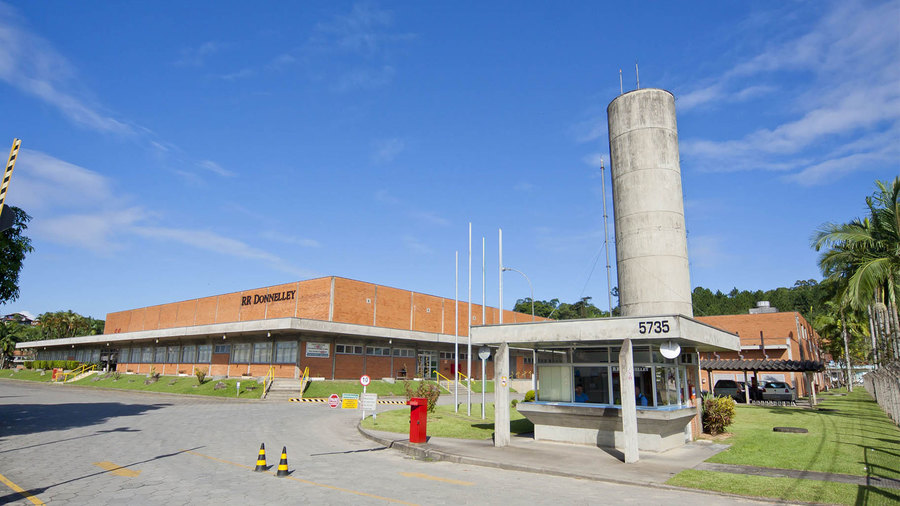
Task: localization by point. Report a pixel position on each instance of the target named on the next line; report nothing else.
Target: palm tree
(865, 254)
(8, 340)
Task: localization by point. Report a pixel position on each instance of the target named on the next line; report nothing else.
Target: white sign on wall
(318, 350)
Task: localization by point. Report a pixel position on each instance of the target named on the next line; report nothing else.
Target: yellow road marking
(435, 478)
(301, 480)
(24, 493)
(117, 469)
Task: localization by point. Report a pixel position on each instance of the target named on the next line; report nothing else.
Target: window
(286, 352)
(262, 353)
(204, 353)
(378, 352)
(594, 381)
(172, 355)
(404, 352)
(95, 356)
(348, 349)
(222, 348)
(529, 360)
(556, 383)
(147, 355)
(189, 354)
(79, 355)
(241, 353)
(124, 355)
(159, 356)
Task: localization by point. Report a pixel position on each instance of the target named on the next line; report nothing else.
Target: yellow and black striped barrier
(323, 400)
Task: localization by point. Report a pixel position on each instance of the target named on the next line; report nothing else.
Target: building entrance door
(427, 364)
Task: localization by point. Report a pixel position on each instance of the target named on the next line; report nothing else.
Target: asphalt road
(71, 445)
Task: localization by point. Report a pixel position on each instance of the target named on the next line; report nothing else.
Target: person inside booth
(580, 396)
(639, 397)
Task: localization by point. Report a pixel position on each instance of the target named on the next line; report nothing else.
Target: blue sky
(173, 150)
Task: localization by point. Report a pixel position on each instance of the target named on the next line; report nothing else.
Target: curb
(424, 453)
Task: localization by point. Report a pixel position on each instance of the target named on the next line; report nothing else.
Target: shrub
(429, 391)
(71, 364)
(514, 402)
(153, 374)
(201, 376)
(116, 375)
(718, 413)
(529, 396)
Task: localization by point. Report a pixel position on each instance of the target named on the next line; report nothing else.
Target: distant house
(773, 343)
(19, 318)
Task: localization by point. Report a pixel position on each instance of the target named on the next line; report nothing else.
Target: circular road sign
(334, 400)
(364, 380)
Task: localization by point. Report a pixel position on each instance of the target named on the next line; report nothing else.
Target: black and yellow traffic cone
(282, 464)
(261, 460)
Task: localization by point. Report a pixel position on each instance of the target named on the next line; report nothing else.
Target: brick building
(340, 328)
(767, 334)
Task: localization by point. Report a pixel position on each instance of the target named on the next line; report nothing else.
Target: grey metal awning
(644, 329)
(762, 365)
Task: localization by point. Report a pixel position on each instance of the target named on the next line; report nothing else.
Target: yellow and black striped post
(282, 464)
(261, 459)
(10, 163)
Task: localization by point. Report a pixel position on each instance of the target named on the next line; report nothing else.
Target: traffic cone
(282, 464)
(261, 460)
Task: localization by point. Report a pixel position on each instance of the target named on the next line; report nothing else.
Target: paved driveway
(64, 444)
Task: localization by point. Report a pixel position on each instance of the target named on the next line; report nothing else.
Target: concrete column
(629, 404)
(746, 389)
(501, 396)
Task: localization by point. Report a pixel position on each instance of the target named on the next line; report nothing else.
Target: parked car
(732, 388)
(778, 391)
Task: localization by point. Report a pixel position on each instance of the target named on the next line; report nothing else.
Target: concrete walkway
(574, 461)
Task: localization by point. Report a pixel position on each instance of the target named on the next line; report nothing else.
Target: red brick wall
(354, 302)
(318, 367)
(313, 299)
(393, 308)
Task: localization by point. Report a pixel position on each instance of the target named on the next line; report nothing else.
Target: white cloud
(386, 151)
(416, 246)
(836, 124)
(41, 181)
(195, 56)
(215, 168)
(240, 74)
(287, 239)
(78, 207)
(30, 64)
(386, 197)
(523, 186)
(430, 217)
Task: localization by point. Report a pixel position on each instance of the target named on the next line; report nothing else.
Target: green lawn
(26, 374)
(444, 422)
(173, 385)
(847, 434)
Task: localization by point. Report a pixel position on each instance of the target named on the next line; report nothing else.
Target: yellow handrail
(462, 374)
(74, 373)
(439, 376)
(270, 378)
(303, 379)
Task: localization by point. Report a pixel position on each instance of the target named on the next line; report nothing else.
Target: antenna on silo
(620, 82)
(638, 74)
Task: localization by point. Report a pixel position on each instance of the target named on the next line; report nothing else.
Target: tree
(13, 248)
(555, 310)
(54, 325)
(8, 339)
(865, 255)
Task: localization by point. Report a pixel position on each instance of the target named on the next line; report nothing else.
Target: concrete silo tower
(651, 242)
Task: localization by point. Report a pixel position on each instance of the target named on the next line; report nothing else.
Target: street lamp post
(534, 352)
(529, 285)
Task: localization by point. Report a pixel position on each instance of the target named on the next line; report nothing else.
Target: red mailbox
(418, 420)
